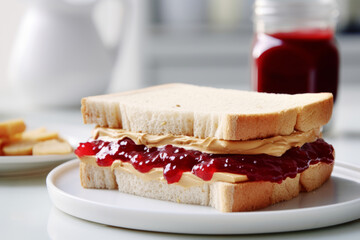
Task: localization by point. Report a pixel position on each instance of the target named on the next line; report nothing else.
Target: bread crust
(220, 113)
(314, 113)
(225, 197)
(96, 177)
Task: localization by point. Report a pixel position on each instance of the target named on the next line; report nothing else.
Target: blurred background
(205, 42)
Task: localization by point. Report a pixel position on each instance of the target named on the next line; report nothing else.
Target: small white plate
(27, 165)
(336, 202)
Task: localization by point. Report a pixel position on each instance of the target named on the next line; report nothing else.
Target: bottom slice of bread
(226, 197)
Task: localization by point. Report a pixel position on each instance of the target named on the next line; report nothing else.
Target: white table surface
(26, 211)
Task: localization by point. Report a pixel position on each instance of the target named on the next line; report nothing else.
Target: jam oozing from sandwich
(175, 160)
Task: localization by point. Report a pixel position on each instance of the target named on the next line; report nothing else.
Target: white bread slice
(97, 177)
(226, 197)
(182, 109)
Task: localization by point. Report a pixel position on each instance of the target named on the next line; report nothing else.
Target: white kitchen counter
(26, 211)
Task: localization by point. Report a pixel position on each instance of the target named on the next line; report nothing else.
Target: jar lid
(296, 8)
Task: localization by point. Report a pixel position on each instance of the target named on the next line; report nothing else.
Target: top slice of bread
(182, 109)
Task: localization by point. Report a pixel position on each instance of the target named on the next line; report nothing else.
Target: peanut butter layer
(187, 179)
(275, 146)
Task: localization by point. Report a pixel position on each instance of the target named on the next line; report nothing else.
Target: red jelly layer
(175, 160)
(296, 62)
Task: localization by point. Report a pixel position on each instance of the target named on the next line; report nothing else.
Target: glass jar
(294, 48)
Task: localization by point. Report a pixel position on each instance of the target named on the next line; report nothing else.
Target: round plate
(26, 165)
(337, 201)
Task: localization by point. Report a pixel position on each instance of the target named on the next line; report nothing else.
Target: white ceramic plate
(336, 202)
(30, 165)
(27, 165)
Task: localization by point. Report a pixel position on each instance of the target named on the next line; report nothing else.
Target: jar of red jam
(294, 48)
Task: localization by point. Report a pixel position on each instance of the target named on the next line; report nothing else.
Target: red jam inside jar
(296, 62)
(175, 160)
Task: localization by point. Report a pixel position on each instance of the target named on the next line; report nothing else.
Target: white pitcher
(59, 57)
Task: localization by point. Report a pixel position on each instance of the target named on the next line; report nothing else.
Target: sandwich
(228, 149)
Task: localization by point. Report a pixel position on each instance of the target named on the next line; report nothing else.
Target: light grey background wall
(206, 46)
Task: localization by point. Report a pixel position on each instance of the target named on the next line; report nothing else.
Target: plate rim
(56, 192)
(35, 158)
